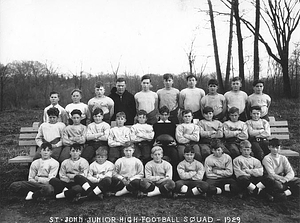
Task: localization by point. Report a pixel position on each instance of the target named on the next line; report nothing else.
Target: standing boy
(40, 172)
(142, 135)
(258, 98)
(118, 138)
(259, 131)
(54, 99)
(147, 100)
(169, 97)
(215, 100)
(237, 98)
(190, 97)
(101, 101)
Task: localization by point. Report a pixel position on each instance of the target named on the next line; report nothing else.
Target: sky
(141, 36)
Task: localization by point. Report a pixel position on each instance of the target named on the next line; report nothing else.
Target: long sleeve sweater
(210, 129)
(49, 132)
(44, 170)
(74, 134)
(131, 168)
(141, 132)
(222, 166)
(98, 171)
(77, 167)
(186, 133)
(154, 171)
(242, 163)
(237, 129)
(260, 128)
(190, 171)
(118, 136)
(98, 132)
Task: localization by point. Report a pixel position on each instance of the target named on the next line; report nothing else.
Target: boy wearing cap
(279, 170)
(215, 100)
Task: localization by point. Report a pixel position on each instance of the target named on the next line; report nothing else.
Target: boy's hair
(120, 114)
(145, 77)
(76, 111)
(76, 90)
(76, 147)
(101, 152)
(130, 145)
(46, 145)
(188, 149)
(121, 79)
(164, 109)
(167, 76)
(141, 112)
(274, 142)
(99, 84)
(53, 112)
(191, 76)
(245, 143)
(155, 149)
(184, 112)
(258, 81)
(98, 111)
(255, 108)
(233, 110)
(207, 109)
(215, 144)
(54, 92)
(213, 82)
(236, 79)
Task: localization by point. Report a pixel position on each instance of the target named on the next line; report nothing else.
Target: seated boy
(191, 174)
(259, 130)
(118, 138)
(187, 133)
(65, 186)
(234, 131)
(96, 135)
(98, 181)
(248, 170)
(128, 175)
(280, 173)
(209, 129)
(73, 134)
(51, 132)
(40, 172)
(142, 135)
(218, 169)
(160, 173)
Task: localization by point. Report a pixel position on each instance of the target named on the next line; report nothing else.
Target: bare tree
(229, 52)
(4, 75)
(191, 57)
(256, 33)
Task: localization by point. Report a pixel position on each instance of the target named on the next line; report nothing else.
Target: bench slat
(278, 123)
(27, 143)
(278, 136)
(28, 130)
(27, 136)
(288, 152)
(21, 159)
(279, 130)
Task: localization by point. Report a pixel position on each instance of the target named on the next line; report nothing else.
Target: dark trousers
(135, 185)
(202, 185)
(142, 151)
(23, 187)
(244, 181)
(260, 147)
(103, 184)
(72, 187)
(220, 183)
(89, 151)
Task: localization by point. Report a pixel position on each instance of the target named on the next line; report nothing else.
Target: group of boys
(186, 146)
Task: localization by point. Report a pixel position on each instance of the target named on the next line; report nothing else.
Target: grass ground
(129, 209)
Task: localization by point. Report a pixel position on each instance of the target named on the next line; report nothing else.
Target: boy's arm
(182, 172)
(199, 172)
(64, 117)
(195, 135)
(181, 101)
(111, 139)
(66, 140)
(84, 167)
(209, 170)
(257, 170)
(219, 133)
(39, 137)
(105, 130)
(148, 173)
(149, 135)
(251, 131)
(33, 170)
(203, 132)
(82, 137)
(91, 177)
(228, 132)
(267, 130)
(109, 171)
(45, 115)
(133, 133)
(228, 171)
(52, 174)
(237, 167)
(63, 175)
(288, 169)
(139, 171)
(111, 109)
(179, 134)
(243, 135)
(136, 103)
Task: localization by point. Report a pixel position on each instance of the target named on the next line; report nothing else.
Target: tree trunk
(285, 74)
(256, 51)
(229, 52)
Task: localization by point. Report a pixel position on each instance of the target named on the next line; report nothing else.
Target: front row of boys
(79, 181)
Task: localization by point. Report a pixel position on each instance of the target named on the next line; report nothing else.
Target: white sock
(61, 195)
(195, 191)
(227, 187)
(184, 189)
(251, 186)
(29, 196)
(260, 186)
(219, 190)
(122, 192)
(155, 192)
(86, 186)
(287, 192)
(97, 190)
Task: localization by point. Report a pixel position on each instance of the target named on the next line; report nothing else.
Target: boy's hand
(126, 181)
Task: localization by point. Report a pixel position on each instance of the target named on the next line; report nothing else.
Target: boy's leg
(23, 187)
(233, 150)
(116, 184)
(243, 116)
(174, 116)
(205, 151)
(56, 153)
(180, 149)
(137, 150)
(264, 145)
(88, 152)
(37, 154)
(181, 186)
(172, 153)
(294, 186)
(58, 185)
(198, 155)
(166, 187)
(198, 187)
(214, 187)
(114, 153)
(65, 154)
(145, 151)
(257, 150)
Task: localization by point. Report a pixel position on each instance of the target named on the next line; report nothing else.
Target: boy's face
(164, 116)
(53, 119)
(189, 157)
(274, 149)
(99, 91)
(208, 116)
(76, 119)
(146, 84)
(121, 87)
(157, 156)
(255, 114)
(54, 99)
(75, 154)
(100, 159)
(218, 152)
(168, 82)
(234, 117)
(191, 82)
(128, 152)
(46, 153)
(236, 85)
(212, 88)
(76, 96)
(258, 88)
(120, 121)
(98, 118)
(187, 118)
(142, 119)
(246, 150)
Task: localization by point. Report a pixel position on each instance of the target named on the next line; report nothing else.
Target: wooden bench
(27, 139)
